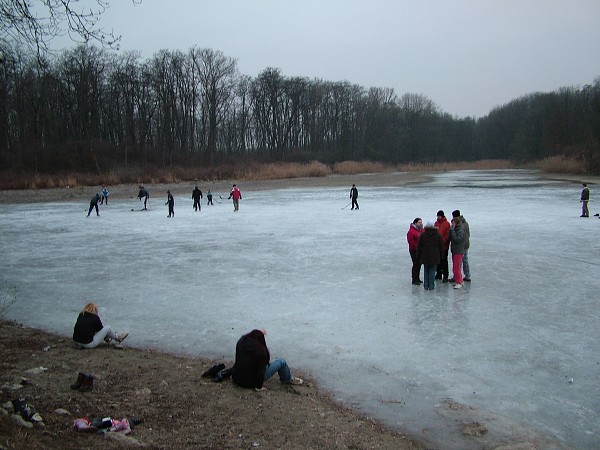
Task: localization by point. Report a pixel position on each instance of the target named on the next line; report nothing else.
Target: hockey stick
(347, 205)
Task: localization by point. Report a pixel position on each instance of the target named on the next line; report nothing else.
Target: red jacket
(443, 227)
(235, 193)
(413, 237)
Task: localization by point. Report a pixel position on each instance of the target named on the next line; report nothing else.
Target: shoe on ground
(121, 337)
(457, 286)
(420, 281)
(296, 381)
(438, 277)
(467, 279)
(416, 283)
(445, 280)
(451, 280)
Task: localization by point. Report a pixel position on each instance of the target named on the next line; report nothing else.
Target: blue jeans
(278, 366)
(429, 276)
(465, 263)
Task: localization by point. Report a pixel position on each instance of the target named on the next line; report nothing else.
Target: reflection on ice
(333, 288)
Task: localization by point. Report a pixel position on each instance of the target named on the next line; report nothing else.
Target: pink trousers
(457, 268)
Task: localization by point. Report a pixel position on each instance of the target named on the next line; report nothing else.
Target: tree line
(91, 109)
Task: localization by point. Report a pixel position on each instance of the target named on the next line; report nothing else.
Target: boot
(79, 381)
(87, 383)
(121, 337)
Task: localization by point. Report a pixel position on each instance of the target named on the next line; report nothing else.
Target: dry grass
(277, 171)
(261, 172)
(560, 164)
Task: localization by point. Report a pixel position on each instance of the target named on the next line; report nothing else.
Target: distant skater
(94, 204)
(585, 198)
(209, 198)
(197, 195)
(104, 192)
(237, 196)
(354, 197)
(145, 195)
(171, 203)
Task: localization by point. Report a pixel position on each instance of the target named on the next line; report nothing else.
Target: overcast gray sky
(466, 55)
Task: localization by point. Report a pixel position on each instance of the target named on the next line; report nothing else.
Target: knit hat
(430, 224)
(440, 213)
(456, 213)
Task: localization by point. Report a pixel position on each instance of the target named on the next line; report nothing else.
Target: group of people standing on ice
(429, 247)
(143, 193)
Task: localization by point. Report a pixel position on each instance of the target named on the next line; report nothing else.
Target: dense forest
(88, 109)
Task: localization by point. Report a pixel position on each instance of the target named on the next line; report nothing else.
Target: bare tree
(34, 23)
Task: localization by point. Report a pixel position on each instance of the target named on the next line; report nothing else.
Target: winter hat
(430, 224)
(440, 213)
(456, 213)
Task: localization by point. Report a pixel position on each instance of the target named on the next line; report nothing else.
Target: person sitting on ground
(252, 365)
(89, 332)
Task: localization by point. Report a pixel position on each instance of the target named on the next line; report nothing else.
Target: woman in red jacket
(414, 232)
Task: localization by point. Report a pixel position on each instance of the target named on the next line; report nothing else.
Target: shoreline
(179, 408)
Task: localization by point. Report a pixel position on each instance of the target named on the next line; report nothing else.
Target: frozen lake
(333, 288)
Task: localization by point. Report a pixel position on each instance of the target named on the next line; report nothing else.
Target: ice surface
(332, 287)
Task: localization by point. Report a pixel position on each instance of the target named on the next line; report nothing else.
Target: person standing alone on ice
(354, 196)
(237, 196)
(197, 195)
(171, 203)
(585, 198)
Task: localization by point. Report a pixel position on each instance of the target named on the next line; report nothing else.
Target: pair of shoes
(296, 381)
(84, 383)
(597, 215)
(26, 411)
(451, 280)
(121, 337)
(583, 215)
(416, 283)
(467, 279)
(457, 286)
(213, 371)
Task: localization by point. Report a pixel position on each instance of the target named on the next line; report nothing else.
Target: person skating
(89, 332)
(429, 251)
(143, 193)
(104, 191)
(443, 227)
(236, 194)
(412, 236)
(197, 195)
(585, 198)
(171, 202)
(253, 365)
(209, 198)
(94, 204)
(354, 197)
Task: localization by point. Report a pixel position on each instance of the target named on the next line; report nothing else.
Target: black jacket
(430, 247)
(251, 359)
(86, 327)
